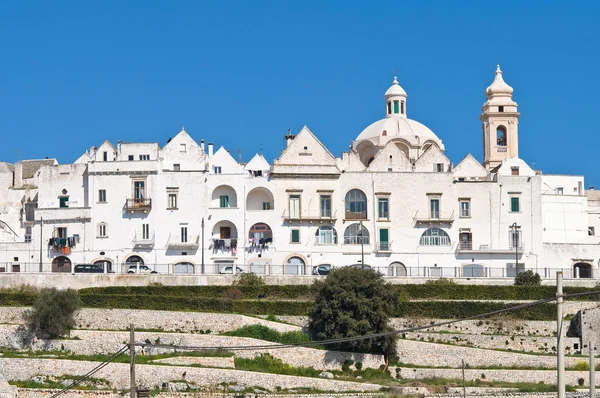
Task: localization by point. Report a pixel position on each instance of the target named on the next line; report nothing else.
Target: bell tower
(500, 123)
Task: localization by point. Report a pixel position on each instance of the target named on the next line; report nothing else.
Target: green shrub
(51, 315)
(440, 281)
(233, 293)
(265, 333)
(527, 278)
(581, 365)
(249, 280)
(268, 364)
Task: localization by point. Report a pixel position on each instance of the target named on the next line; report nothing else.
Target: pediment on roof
(469, 167)
(306, 148)
(390, 157)
(428, 161)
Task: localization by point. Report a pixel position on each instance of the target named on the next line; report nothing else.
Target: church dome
(395, 90)
(396, 127)
(499, 86)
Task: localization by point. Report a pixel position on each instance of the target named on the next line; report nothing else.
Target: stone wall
(40, 393)
(514, 376)
(150, 376)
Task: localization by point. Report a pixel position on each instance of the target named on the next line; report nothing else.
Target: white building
(393, 199)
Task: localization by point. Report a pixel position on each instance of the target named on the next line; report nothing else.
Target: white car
(143, 269)
(229, 270)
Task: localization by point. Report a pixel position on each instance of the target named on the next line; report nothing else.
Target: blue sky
(241, 74)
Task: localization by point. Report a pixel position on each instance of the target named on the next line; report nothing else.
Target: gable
(305, 148)
(182, 138)
(350, 161)
(390, 157)
(223, 159)
(469, 167)
(428, 161)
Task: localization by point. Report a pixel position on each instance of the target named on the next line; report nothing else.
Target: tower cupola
(395, 100)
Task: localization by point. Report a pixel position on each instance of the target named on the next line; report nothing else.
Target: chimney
(289, 138)
(210, 150)
(202, 145)
(591, 186)
(18, 179)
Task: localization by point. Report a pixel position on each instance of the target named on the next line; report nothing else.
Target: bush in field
(527, 278)
(51, 315)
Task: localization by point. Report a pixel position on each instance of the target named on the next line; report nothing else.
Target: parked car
(322, 269)
(229, 270)
(366, 266)
(89, 268)
(144, 269)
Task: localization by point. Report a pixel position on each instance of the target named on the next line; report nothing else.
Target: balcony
(384, 247)
(138, 205)
(434, 218)
(143, 241)
(178, 242)
(355, 215)
(63, 214)
(309, 218)
(224, 248)
(467, 247)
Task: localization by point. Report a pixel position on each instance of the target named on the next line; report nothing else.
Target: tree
(353, 302)
(528, 278)
(51, 315)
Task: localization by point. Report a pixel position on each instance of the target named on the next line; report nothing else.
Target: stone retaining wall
(150, 376)
(39, 393)
(211, 362)
(514, 376)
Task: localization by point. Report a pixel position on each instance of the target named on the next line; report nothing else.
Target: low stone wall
(514, 376)
(151, 375)
(439, 355)
(38, 393)
(87, 342)
(211, 362)
(185, 322)
(514, 343)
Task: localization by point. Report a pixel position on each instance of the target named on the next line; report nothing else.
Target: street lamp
(202, 253)
(362, 245)
(516, 242)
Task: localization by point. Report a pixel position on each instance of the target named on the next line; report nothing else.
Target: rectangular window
(182, 148)
(389, 108)
(61, 232)
(591, 231)
(130, 157)
(105, 156)
(326, 236)
(325, 206)
(402, 107)
(514, 205)
(172, 201)
(295, 238)
(139, 189)
(434, 208)
(266, 205)
(184, 235)
(501, 108)
(63, 201)
(224, 201)
(176, 167)
(515, 238)
(28, 233)
(102, 196)
(217, 169)
(383, 212)
(514, 171)
(294, 206)
(396, 106)
(439, 167)
(144, 157)
(145, 231)
(465, 208)
(559, 191)
(384, 237)
(102, 230)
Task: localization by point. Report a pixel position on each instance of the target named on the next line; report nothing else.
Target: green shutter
(396, 107)
(295, 236)
(224, 201)
(514, 205)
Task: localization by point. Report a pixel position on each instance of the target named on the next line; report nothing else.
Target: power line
(91, 372)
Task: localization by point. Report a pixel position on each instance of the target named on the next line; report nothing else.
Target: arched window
(326, 236)
(435, 237)
(260, 231)
(501, 136)
(396, 269)
(134, 260)
(356, 234)
(61, 264)
(183, 268)
(582, 270)
(356, 205)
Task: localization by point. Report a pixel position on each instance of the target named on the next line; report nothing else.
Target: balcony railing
(384, 247)
(311, 218)
(183, 242)
(467, 246)
(434, 218)
(143, 240)
(355, 215)
(138, 204)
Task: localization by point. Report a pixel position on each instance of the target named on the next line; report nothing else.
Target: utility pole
(592, 370)
(362, 245)
(202, 250)
(560, 343)
(516, 239)
(41, 241)
(463, 377)
(132, 361)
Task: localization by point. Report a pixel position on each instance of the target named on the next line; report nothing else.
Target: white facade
(393, 199)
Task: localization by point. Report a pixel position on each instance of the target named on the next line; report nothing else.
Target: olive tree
(51, 315)
(353, 302)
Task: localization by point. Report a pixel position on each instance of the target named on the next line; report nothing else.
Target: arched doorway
(396, 269)
(183, 268)
(132, 260)
(61, 264)
(258, 266)
(582, 270)
(295, 266)
(473, 271)
(106, 264)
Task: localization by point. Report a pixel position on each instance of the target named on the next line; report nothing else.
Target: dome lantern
(395, 100)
